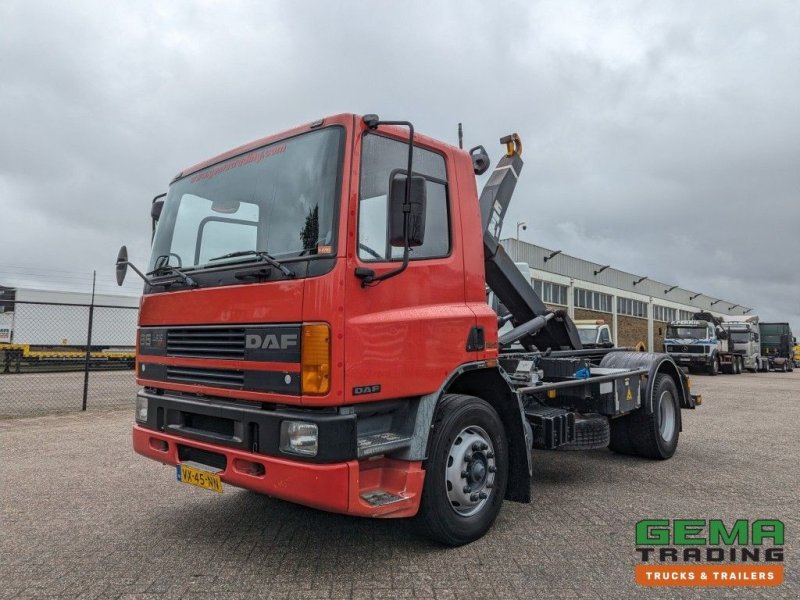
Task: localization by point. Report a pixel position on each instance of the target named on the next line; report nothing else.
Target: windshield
(771, 332)
(740, 337)
(683, 333)
(278, 199)
(588, 336)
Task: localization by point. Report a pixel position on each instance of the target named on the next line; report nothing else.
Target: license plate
(199, 478)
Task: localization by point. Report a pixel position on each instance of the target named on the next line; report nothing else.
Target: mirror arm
(146, 279)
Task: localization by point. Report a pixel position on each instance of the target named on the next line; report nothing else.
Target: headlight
(299, 437)
(141, 409)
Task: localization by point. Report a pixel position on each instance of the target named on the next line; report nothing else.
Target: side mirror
(155, 210)
(480, 160)
(416, 210)
(122, 265)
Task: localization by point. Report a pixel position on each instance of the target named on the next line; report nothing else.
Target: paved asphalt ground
(81, 515)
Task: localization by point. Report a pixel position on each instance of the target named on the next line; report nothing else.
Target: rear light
(316, 359)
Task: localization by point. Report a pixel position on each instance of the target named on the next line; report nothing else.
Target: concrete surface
(82, 516)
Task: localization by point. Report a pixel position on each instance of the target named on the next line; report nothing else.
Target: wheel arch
(489, 385)
(656, 364)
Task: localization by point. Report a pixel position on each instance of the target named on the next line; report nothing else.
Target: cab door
(406, 334)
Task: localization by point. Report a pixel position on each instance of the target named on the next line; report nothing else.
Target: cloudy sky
(662, 138)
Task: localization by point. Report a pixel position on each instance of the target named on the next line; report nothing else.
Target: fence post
(88, 346)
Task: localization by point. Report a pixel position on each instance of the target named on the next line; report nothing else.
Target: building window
(634, 308)
(592, 300)
(550, 293)
(685, 315)
(662, 313)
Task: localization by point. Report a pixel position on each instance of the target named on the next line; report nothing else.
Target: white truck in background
(702, 344)
(594, 333)
(744, 339)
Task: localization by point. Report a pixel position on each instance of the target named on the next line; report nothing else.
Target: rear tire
(652, 435)
(468, 450)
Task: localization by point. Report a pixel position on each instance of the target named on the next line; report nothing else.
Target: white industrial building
(636, 307)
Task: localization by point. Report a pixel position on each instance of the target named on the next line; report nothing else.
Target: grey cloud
(663, 138)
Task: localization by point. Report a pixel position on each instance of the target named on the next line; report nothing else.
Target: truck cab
(702, 344)
(594, 333)
(777, 345)
(745, 341)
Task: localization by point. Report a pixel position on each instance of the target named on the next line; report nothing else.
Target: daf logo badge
(271, 341)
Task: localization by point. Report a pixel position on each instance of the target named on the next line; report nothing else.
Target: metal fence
(58, 357)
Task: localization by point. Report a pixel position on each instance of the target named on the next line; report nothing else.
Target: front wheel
(713, 368)
(466, 473)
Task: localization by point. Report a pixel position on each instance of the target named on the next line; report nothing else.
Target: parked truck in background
(594, 333)
(797, 355)
(743, 335)
(777, 345)
(702, 343)
(314, 327)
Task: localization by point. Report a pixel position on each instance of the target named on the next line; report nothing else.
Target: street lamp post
(524, 226)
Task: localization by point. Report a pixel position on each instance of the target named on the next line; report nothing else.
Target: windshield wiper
(264, 256)
(168, 270)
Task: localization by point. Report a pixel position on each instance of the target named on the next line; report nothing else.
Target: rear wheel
(466, 472)
(653, 435)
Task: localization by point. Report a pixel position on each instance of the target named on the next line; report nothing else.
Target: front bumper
(352, 487)
(692, 359)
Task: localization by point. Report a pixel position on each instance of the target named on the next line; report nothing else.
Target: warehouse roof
(584, 270)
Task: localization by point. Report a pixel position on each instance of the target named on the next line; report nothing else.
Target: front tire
(466, 472)
(713, 368)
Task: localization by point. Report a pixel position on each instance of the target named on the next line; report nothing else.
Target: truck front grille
(687, 349)
(228, 378)
(207, 342)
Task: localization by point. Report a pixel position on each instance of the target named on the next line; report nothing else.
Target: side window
(381, 157)
(604, 337)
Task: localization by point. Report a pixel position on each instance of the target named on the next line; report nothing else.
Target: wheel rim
(470, 471)
(666, 414)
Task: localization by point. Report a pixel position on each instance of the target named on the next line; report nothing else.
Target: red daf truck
(314, 327)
